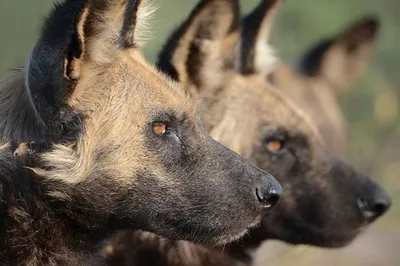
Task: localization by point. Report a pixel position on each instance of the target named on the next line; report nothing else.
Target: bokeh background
(371, 105)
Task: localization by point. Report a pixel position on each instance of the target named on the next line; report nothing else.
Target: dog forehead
(279, 110)
(130, 83)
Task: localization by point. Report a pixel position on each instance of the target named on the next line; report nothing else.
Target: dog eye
(274, 145)
(160, 128)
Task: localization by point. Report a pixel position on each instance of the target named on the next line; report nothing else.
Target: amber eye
(160, 128)
(274, 145)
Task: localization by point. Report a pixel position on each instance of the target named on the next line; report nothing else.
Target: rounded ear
(91, 30)
(53, 64)
(199, 49)
(343, 58)
(362, 33)
(256, 56)
(76, 32)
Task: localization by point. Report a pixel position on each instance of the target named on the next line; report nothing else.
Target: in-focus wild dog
(326, 203)
(324, 72)
(96, 140)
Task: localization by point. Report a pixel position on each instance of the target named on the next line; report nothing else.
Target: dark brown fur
(32, 232)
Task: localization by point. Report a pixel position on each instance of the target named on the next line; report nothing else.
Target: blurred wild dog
(96, 140)
(325, 71)
(326, 203)
(358, 200)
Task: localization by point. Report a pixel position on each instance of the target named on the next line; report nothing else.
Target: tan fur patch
(317, 99)
(22, 150)
(247, 103)
(109, 100)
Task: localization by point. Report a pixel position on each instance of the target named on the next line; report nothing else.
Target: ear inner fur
(256, 30)
(339, 60)
(127, 35)
(195, 36)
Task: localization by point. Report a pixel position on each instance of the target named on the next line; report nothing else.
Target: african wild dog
(326, 203)
(326, 182)
(97, 141)
(324, 72)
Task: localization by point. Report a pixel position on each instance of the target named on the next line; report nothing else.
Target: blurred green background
(371, 106)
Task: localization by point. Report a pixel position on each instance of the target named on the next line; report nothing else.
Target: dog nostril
(382, 204)
(372, 209)
(268, 198)
(379, 208)
(268, 192)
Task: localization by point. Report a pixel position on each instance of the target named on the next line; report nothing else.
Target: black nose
(374, 205)
(269, 193)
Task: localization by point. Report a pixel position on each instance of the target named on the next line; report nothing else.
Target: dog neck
(35, 227)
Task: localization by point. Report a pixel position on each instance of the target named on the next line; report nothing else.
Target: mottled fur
(322, 194)
(243, 111)
(34, 226)
(84, 159)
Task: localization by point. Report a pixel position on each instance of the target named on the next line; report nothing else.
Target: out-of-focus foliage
(371, 106)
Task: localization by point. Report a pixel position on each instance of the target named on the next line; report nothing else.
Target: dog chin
(338, 241)
(226, 239)
(229, 238)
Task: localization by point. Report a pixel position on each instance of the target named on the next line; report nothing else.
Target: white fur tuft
(265, 60)
(143, 32)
